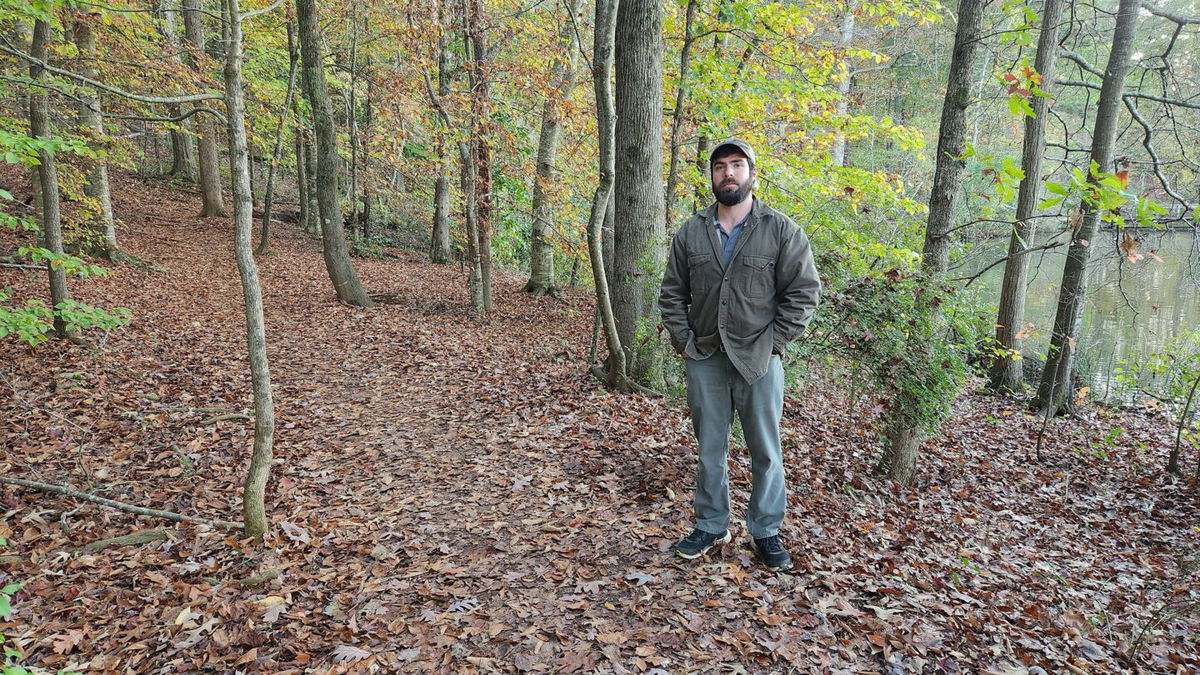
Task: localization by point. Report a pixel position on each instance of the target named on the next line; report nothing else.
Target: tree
(333, 238)
(1054, 390)
(253, 509)
(902, 428)
(264, 243)
(91, 119)
(1005, 370)
(606, 14)
(183, 150)
(439, 239)
(678, 114)
(210, 171)
(640, 213)
(562, 81)
(47, 173)
(479, 171)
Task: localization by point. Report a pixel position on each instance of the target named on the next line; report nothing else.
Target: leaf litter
(456, 494)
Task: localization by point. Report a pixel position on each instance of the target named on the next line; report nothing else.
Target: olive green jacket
(756, 307)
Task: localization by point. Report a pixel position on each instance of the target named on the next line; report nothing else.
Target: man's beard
(733, 197)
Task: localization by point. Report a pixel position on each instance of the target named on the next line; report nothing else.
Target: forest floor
(457, 494)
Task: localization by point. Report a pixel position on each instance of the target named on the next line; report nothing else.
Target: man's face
(732, 179)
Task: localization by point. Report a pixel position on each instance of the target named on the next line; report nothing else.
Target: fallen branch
(121, 506)
(134, 539)
(241, 417)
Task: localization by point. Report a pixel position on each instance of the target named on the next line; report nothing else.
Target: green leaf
(1056, 188)
(1047, 203)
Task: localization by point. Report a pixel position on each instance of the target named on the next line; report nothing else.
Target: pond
(1132, 308)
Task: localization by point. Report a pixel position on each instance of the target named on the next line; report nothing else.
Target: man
(740, 286)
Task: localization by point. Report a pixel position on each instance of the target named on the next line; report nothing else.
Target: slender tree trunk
(845, 39)
(333, 239)
(183, 151)
(39, 127)
(352, 120)
(439, 240)
(902, 438)
(313, 224)
(1054, 391)
(91, 118)
(1006, 372)
(640, 216)
(210, 172)
(264, 243)
(677, 116)
(254, 490)
(301, 178)
(481, 102)
(606, 16)
(469, 184)
(541, 256)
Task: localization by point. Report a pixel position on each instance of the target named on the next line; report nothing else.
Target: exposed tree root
(133, 539)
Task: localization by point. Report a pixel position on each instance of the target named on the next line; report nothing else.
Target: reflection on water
(1131, 308)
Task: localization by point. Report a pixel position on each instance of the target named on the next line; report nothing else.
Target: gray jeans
(715, 392)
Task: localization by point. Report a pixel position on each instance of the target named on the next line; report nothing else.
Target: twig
(121, 506)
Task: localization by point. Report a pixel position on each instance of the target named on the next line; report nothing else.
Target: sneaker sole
(723, 540)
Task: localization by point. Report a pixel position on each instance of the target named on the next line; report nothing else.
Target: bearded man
(740, 286)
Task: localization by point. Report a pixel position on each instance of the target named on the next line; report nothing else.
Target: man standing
(740, 286)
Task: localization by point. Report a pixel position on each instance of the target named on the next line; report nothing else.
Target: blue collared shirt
(729, 241)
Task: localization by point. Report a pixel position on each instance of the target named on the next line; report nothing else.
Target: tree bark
(541, 255)
(439, 240)
(264, 243)
(605, 23)
(640, 216)
(333, 238)
(91, 118)
(313, 224)
(210, 173)
(183, 151)
(677, 115)
(47, 174)
(902, 438)
(301, 178)
(1006, 373)
(1054, 391)
(481, 103)
(253, 492)
(845, 39)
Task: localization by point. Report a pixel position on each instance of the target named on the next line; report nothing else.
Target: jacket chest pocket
(758, 276)
(700, 272)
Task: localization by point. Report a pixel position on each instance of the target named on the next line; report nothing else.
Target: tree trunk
(91, 118)
(1054, 392)
(602, 82)
(352, 120)
(183, 151)
(481, 102)
(902, 438)
(640, 213)
(677, 116)
(333, 239)
(439, 240)
(313, 224)
(541, 255)
(210, 173)
(254, 489)
(845, 39)
(39, 127)
(1005, 371)
(301, 178)
(264, 243)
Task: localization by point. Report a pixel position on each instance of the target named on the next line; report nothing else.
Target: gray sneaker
(700, 542)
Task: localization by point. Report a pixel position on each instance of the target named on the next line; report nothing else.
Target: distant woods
(563, 142)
